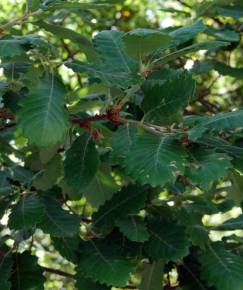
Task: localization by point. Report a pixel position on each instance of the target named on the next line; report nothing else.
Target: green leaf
(155, 159)
(81, 163)
(76, 5)
(133, 228)
(111, 76)
(101, 188)
(127, 201)
(166, 92)
(111, 48)
(27, 213)
(236, 191)
(5, 271)
(207, 166)
(42, 117)
(67, 247)
(103, 265)
(32, 5)
(122, 140)
(58, 222)
(221, 268)
(64, 33)
(168, 241)
(206, 45)
(227, 70)
(231, 224)
(47, 178)
(224, 34)
(5, 186)
(87, 284)
(141, 41)
(11, 47)
(28, 275)
(152, 276)
(185, 33)
(218, 122)
(229, 11)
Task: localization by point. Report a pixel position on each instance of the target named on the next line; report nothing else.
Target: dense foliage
(121, 145)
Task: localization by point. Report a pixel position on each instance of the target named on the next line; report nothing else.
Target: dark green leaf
(152, 276)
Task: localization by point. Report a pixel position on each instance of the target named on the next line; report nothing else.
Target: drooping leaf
(207, 166)
(102, 264)
(154, 159)
(58, 222)
(168, 241)
(27, 213)
(28, 275)
(134, 228)
(81, 163)
(101, 188)
(221, 268)
(42, 117)
(167, 92)
(141, 41)
(152, 276)
(127, 201)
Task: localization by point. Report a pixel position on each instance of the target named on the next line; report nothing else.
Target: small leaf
(81, 163)
(152, 276)
(133, 228)
(58, 222)
(27, 213)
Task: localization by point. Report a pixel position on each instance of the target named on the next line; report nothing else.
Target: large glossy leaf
(127, 201)
(167, 241)
(207, 166)
(27, 213)
(167, 92)
(42, 117)
(154, 159)
(152, 276)
(58, 222)
(141, 41)
(221, 268)
(104, 265)
(81, 163)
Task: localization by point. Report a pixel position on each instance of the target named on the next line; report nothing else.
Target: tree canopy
(121, 136)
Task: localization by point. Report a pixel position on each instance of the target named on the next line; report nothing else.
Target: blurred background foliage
(215, 92)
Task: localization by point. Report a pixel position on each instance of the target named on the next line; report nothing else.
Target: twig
(59, 272)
